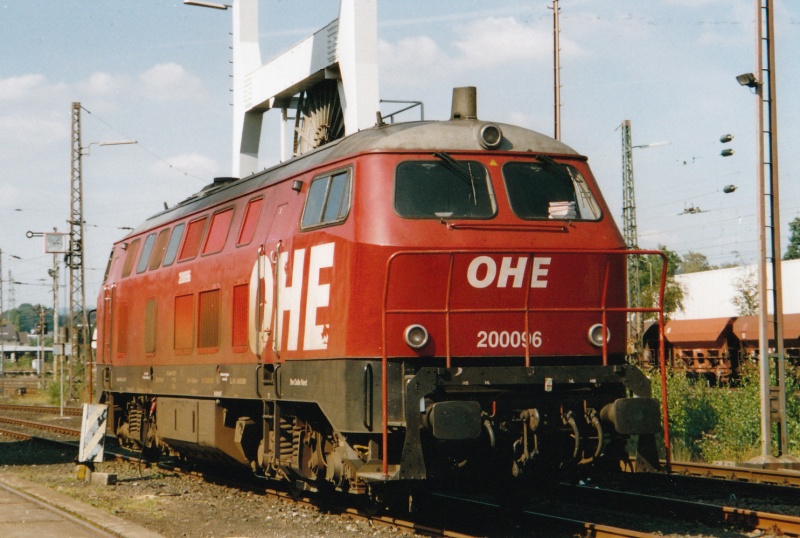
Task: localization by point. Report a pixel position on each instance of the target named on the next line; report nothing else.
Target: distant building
(709, 294)
(14, 343)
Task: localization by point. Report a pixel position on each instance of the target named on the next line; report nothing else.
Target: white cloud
(171, 82)
(103, 84)
(420, 51)
(486, 44)
(32, 87)
(494, 42)
(14, 88)
(19, 130)
(480, 45)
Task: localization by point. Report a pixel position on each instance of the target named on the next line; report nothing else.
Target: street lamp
(652, 145)
(112, 143)
(769, 260)
(212, 5)
(77, 304)
(635, 319)
(749, 80)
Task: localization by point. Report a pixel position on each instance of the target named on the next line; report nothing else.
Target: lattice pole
(78, 334)
(631, 236)
(556, 71)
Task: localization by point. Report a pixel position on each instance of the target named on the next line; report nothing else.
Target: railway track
(713, 514)
(566, 516)
(16, 435)
(54, 428)
(782, 477)
(446, 527)
(42, 409)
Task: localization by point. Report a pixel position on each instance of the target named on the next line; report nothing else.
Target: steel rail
(536, 519)
(780, 477)
(50, 409)
(15, 434)
(40, 426)
(685, 510)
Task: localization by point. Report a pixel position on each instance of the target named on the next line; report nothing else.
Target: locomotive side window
(174, 242)
(130, 257)
(548, 190)
(208, 307)
(158, 249)
(121, 330)
(218, 232)
(249, 222)
(146, 250)
(241, 295)
(443, 189)
(150, 311)
(193, 235)
(184, 323)
(328, 200)
(108, 266)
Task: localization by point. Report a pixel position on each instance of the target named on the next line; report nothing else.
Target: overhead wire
(145, 148)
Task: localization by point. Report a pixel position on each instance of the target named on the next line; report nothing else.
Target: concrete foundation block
(103, 479)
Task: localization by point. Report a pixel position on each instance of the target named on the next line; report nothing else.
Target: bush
(54, 392)
(723, 422)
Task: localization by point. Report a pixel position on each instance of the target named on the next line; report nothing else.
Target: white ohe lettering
(290, 295)
(510, 270)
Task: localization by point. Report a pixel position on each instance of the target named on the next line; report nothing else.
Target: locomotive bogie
(397, 305)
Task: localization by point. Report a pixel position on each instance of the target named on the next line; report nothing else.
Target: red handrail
(526, 310)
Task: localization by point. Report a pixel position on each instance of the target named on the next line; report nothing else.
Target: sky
(158, 72)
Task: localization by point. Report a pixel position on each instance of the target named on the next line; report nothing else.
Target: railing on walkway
(525, 309)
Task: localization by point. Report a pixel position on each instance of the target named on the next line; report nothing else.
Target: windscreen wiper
(559, 170)
(465, 173)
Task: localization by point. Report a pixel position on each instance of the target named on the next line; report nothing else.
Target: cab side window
(174, 243)
(218, 232)
(158, 249)
(148, 247)
(328, 200)
(193, 236)
(130, 256)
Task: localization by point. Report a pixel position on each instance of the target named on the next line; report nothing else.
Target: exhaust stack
(465, 103)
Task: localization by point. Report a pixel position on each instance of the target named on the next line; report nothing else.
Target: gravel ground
(177, 505)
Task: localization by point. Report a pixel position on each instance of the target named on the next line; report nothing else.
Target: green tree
(694, 262)
(650, 281)
(793, 250)
(746, 287)
(26, 316)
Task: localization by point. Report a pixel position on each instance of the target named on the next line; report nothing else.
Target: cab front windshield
(443, 189)
(545, 189)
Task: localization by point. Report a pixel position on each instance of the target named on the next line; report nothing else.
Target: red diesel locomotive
(410, 302)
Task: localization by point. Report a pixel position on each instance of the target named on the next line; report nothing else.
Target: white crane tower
(329, 80)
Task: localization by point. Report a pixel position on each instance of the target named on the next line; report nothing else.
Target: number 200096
(495, 339)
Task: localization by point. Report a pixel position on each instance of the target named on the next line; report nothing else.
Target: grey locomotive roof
(453, 135)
